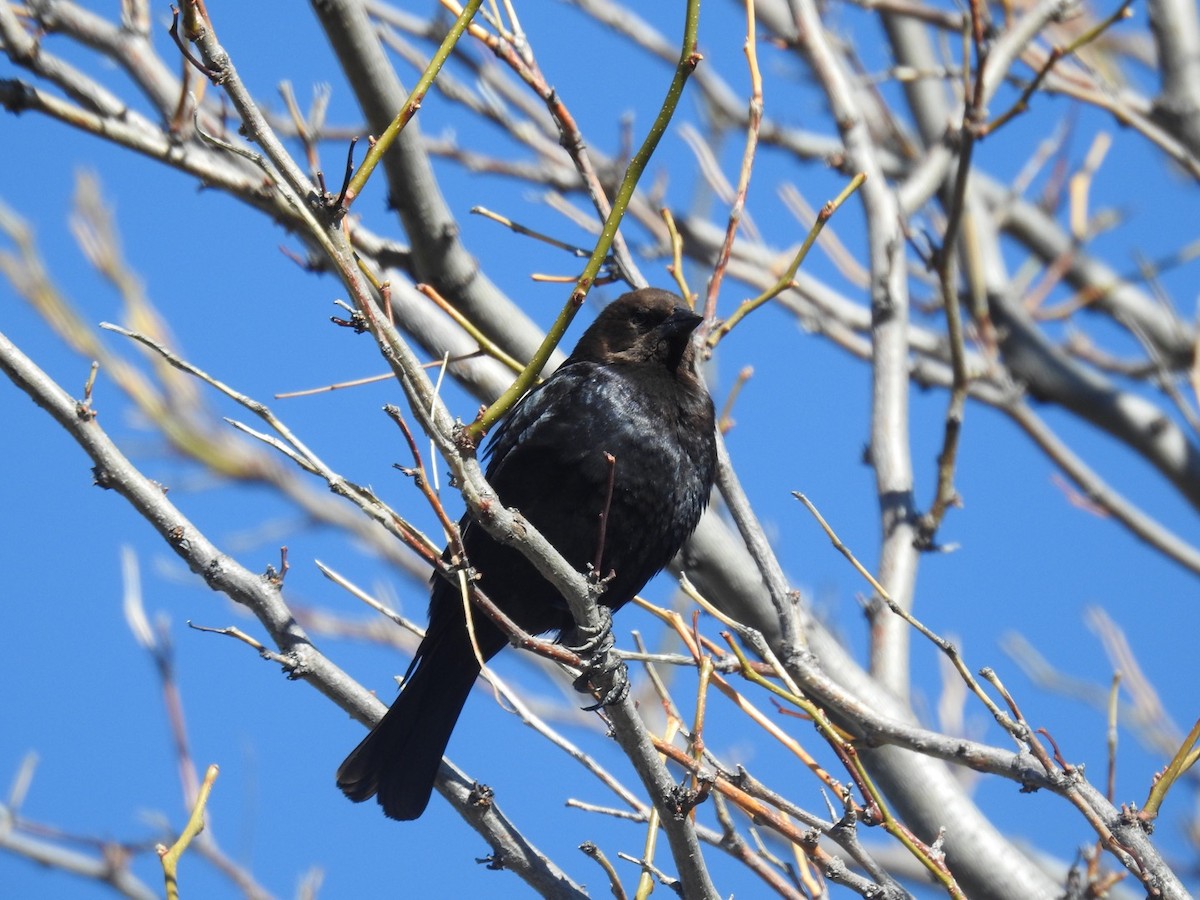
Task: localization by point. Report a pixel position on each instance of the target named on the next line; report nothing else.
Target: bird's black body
(630, 390)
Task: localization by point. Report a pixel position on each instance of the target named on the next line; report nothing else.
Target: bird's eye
(638, 319)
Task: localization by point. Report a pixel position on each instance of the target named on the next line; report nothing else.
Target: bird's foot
(595, 578)
(607, 676)
(604, 672)
(587, 641)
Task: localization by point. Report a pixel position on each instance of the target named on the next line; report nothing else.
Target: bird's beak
(681, 321)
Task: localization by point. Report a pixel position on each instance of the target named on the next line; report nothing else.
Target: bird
(629, 391)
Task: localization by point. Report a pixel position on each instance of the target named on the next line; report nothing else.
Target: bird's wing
(547, 459)
(553, 415)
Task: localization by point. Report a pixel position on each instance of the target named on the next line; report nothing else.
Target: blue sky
(76, 689)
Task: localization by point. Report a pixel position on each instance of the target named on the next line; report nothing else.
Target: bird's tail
(398, 761)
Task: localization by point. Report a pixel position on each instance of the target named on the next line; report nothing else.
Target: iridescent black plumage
(629, 389)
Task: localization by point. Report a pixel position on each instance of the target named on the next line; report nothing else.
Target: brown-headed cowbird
(629, 390)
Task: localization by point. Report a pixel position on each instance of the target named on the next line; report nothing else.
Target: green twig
(486, 345)
(676, 267)
(1184, 758)
(614, 882)
(195, 824)
(785, 280)
(688, 59)
(384, 142)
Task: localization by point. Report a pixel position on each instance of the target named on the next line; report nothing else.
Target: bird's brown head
(644, 326)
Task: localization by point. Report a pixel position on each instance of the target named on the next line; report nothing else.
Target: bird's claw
(594, 641)
(608, 668)
(595, 578)
(602, 667)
